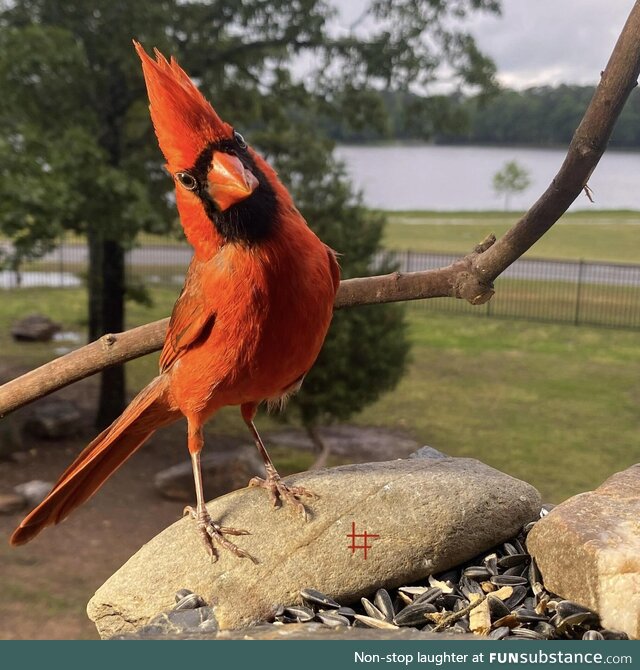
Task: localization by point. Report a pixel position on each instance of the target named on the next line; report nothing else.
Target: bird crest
(185, 123)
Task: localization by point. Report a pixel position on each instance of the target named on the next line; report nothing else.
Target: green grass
(606, 236)
(553, 301)
(553, 404)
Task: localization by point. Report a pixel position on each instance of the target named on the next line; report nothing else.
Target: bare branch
(470, 278)
(587, 146)
(118, 348)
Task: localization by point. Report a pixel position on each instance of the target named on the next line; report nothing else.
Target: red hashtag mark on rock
(365, 537)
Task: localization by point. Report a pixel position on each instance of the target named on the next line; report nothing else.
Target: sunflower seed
(545, 629)
(182, 593)
(429, 596)
(332, 619)
(517, 597)
(508, 580)
(509, 549)
(526, 633)
(300, 613)
(371, 609)
(383, 602)
(593, 635)
(191, 601)
(414, 590)
(567, 608)
(375, 623)
(513, 560)
(529, 616)
(497, 608)
(469, 586)
(500, 633)
(491, 563)
(476, 572)
(510, 621)
(318, 598)
(414, 614)
(346, 611)
(517, 571)
(404, 598)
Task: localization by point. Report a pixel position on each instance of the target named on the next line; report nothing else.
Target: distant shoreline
(473, 145)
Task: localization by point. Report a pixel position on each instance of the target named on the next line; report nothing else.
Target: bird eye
(239, 139)
(187, 180)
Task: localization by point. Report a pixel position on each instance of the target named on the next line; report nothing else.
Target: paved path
(155, 257)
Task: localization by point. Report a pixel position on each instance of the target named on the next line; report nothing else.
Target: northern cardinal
(250, 320)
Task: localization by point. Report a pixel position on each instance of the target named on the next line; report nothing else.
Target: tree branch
(118, 348)
(470, 278)
(587, 146)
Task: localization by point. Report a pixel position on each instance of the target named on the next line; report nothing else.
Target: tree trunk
(321, 448)
(106, 284)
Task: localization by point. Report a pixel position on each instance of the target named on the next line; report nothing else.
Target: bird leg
(278, 490)
(210, 531)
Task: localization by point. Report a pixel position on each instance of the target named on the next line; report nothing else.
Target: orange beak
(229, 180)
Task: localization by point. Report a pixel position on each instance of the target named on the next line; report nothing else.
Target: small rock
(34, 328)
(54, 419)
(429, 515)
(373, 443)
(33, 492)
(588, 550)
(427, 452)
(221, 472)
(11, 502)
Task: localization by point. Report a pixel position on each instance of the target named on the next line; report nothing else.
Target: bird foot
(212, 533)
(279, 492)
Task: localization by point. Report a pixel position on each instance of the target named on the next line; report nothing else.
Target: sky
(543, 42)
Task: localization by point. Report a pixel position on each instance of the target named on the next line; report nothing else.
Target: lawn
(553, 404)
(605, 236)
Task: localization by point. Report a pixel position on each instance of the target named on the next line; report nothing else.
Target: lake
(424, 176)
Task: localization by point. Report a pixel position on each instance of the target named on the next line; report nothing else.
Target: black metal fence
(539, 289)
(573, 292)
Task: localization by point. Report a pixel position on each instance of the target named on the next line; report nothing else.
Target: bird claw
(279, 492)
(211, 532)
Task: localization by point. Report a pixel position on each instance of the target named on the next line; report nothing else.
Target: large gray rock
(54, 419)
(588, 550)
(222, 472)
(429, 515)
(34, 328)
(34, 491)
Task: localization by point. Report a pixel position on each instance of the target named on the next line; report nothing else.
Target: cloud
(551, 41)
(540, 42)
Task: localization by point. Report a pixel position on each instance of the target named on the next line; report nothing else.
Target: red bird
(250, 320)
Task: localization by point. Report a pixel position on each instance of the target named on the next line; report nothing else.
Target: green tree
(512, 178)
(73, 106)
(366, 350)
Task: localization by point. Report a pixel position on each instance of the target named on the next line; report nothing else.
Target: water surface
(422, 176)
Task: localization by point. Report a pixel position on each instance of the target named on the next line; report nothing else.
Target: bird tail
(149, 410)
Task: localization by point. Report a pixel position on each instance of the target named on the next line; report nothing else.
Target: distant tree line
(541, 116)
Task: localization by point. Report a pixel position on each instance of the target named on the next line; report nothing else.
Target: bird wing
(192, 318)
(334, 267)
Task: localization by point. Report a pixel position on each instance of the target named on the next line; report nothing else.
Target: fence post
(576, 315)
(61, 261)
